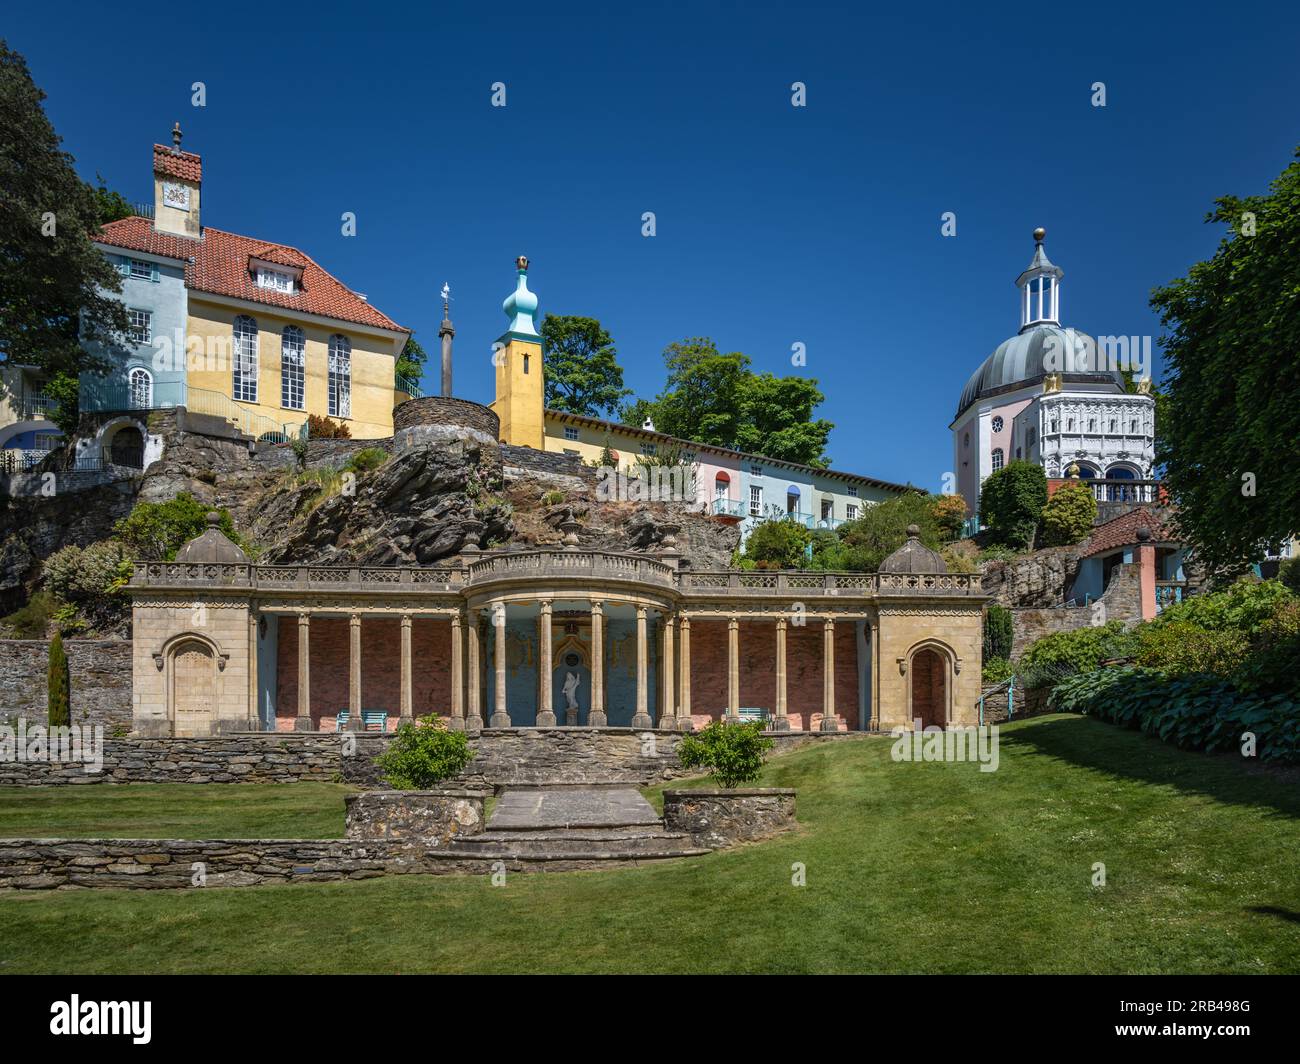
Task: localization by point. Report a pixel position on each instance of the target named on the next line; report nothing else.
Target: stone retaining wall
(435, 418)
(416, 819)
(715, 819)
(101, 681)
(1121, 602)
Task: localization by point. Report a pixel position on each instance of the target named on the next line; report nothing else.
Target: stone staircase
(565, 827)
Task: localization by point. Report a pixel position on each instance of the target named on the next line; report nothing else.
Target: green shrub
(732, 752)
(89, 583)
(155, 531)
(366, 459)
(1068, 515)
(322, 428)
(1181, 647)
(1077, 650)
(58, 682)
(424, 753)
(867, 540)
(553, 498)
(32, 620)
(997, 632)
(1275, 651)
(1012, 501)
(997, 669)
(778, 544)
(1244, 606)
(1195, 712)
(1289, 575)
(949, 514)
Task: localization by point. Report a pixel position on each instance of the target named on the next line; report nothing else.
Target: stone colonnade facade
(549, 638)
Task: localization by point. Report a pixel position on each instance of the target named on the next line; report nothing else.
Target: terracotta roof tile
(1123, 531)
(179, 164)
(220, 265)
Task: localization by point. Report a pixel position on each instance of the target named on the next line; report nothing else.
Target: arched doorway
(193, 693)
(127, 448)
(929, 684)
(1121, 492)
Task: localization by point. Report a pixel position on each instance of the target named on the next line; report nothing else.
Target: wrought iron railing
(408, 385)
(101, 395)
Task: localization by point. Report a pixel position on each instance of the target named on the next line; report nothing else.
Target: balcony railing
(100, 395)
(407, 385)
(1134, 491)
(729, 508)
(1169, 593)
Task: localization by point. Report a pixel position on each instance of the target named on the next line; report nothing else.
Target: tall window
(141, 385)
(998, 458)
(244, 380)
(722, 487)
(755, 501)
(139, 326)
(340, 404)
(293, 346)
(851, 512)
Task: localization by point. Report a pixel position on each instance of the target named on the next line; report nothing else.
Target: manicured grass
(175, 811)
(910, 868)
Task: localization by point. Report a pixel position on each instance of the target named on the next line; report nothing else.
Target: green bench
(371, 719)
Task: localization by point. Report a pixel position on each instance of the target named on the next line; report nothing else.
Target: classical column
(668, 715)
(782, 722)
(733, 669)
(500, 715)
(303, 721)
(829, 720)
(457, 722)
(642, 719)
(545, 711)
(684, 700)
(596, 716)
(474, 718)
(355, 723)
(875, 676)
(404, 698)
(254, 716)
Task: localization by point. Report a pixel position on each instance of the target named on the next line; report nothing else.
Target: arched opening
(127, 448)
(1121, 492)
(721, 492)
(792, 499)
(929, 683)
(141, 387)
(193, 688)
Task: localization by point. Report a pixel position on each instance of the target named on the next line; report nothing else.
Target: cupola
(521, 306)
(1040, 288)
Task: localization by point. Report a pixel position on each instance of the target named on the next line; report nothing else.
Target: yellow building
(258, 333)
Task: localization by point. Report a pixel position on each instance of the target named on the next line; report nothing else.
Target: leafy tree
(882, 529)
(56, 288)
(89, 582)
(58, 682)
(410, 363)
(1231, 411)
(997, 632)
(322, 428)
(1069, 515)
(778, 544)
(733, 752)
(155, 531)
(716, 398)
(110, 206)
(424, 753)
(950, 513)
(64, 389)
(1012, 501)
(582, 373)
(1289, 573)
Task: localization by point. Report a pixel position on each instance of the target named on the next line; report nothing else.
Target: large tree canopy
(582, 371)
(410, 363)
(1229, 436)
(716, 398)
(55, 285)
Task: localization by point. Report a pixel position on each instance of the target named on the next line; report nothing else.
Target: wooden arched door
(194, 694)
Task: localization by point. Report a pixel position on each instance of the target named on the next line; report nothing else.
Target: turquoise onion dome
(521, 305)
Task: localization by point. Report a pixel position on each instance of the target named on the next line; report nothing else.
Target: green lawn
(175, 811)
(910, 868)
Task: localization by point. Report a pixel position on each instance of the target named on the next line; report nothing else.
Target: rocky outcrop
(1039, 580)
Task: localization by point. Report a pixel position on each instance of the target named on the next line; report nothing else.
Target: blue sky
(776, 225)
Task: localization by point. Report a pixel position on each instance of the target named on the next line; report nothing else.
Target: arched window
(244, 360)
(141, 387)
(340, 376)
(998, 458)
(293, 346)
(722, 486)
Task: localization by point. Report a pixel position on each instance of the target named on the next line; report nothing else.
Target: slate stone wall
(100, 670)
(715, 819)
(417, 819)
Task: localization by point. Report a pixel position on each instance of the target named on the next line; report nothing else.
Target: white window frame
(850, 512)
(755, 500)
(275, 280)
(293, 368)
(998, 459)
(851, 491)
(243, 359)
(570, 433)
(340, 376)
(139, 325)
(139, 382)
(139, 270)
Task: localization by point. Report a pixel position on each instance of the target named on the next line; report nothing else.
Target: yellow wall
(591, 442)
(520, 394)
(211, 325)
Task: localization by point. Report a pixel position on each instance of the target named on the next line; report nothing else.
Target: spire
(1040, 287)
(176, 138)
(521, 305)
(446, 331)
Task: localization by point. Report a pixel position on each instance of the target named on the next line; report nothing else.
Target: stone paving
(531, 808)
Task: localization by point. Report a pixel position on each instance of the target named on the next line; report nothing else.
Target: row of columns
(467, 714)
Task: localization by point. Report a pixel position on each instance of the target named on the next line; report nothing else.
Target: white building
(1053, 396)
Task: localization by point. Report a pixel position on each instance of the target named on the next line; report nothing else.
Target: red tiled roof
(1123, 531)
(180, 164)
(220, 265)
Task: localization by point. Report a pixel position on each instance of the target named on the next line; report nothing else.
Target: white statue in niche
(570, 689)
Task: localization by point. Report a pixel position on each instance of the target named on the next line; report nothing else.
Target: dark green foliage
(1078, 650)
(778, 544)
(997, 632)
(58, 684)
(1012, 501)
(424, 753)
(155, 531)
(110, 206)
(410, 363)
(366, 459)
(56, 288)
(1230, 417)
(581, 362)
(1196, 712)
(1289, 574)
(732, 752)
(32, 620)
(882, 529)
(1068, 515)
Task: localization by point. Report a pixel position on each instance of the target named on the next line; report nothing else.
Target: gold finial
(176, 137)
(1039, 233)
(522, 262)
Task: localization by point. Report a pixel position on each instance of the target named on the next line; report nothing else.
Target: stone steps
(571, 843)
